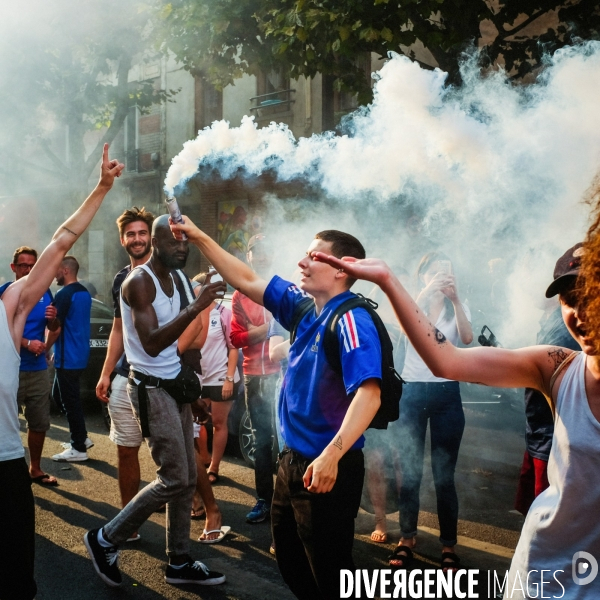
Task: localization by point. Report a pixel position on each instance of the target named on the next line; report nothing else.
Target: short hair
(342, 244)
(71, 263)
(131, 215)
(23, 250)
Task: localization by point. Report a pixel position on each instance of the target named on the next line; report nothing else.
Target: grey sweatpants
(171, 444)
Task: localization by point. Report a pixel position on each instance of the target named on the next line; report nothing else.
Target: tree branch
(119, 117)
(53, 158)
(503, 34)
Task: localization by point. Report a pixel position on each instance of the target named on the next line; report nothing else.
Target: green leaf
(344, 32)
(301, 34)
(387, 34)
(369, 34)
(336, 45)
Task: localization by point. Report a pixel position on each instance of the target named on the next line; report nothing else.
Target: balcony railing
(274, 100)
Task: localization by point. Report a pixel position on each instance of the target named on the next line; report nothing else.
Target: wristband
(28, 342)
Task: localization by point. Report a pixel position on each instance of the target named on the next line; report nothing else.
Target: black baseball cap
(567, 267)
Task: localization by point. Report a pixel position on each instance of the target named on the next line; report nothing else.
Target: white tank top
(565, 518)
(166, 365)
(215, 352)
(10, 361)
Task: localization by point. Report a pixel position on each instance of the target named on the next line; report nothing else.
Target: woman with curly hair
(562, 525)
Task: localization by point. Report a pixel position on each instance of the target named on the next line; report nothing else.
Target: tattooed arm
(526, 367)
(321, 474)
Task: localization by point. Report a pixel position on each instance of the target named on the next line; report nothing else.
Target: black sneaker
(105, 560)
(193, 572)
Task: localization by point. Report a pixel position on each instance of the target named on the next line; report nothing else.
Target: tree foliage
(222, 39)
(65, 68)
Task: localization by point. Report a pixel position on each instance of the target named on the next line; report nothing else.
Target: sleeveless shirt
(564, 519)
(10, 360)
(167, 364)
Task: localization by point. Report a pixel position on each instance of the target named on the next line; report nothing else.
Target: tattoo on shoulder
(558, 356)
(338, 442)
(67, 229)
(440, 338)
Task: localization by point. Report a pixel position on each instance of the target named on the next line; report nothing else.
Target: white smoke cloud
(490, 168)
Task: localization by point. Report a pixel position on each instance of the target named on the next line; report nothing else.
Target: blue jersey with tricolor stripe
(314, 399)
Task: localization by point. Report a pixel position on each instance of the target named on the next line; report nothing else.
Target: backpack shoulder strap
(331, 341)
(301, 310)
(186, 285)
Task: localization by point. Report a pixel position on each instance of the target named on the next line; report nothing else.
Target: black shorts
(214, 392)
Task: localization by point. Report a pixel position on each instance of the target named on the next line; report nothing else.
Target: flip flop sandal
(450, 561)
(198, 515)
(40, 480)
(222, 533)
(403, 553)
(379, 537)
(213, 477)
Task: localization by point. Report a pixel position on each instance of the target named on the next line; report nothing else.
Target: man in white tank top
(152, 325)
(17, 534)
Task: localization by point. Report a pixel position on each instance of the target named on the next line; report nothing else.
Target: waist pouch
(184, 389)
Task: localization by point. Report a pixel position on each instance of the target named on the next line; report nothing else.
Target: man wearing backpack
(323, 414)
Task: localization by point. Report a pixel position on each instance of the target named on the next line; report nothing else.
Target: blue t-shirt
(314, 399)
(35, 329)
(73, 304)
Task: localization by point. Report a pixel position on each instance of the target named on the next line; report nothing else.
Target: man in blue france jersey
(323, 415)
(71, 354)
(34, 384)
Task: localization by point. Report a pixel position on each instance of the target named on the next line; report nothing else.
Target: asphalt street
(88, 496)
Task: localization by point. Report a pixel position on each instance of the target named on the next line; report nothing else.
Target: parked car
(101, 320)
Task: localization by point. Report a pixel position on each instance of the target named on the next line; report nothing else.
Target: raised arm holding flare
(322, 413)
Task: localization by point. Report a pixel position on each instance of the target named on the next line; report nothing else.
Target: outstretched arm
(233, 270)
(527, 367)
(22, 296)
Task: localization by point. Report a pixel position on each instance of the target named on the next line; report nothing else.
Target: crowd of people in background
(177, 356)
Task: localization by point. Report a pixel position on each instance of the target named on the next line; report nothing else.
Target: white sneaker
(88, 444)
(70, 455)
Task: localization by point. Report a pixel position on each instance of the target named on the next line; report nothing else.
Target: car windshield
(100, 310)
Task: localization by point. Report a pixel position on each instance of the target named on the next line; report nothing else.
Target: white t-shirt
(414, 367)
(215, 352)
(10, 361)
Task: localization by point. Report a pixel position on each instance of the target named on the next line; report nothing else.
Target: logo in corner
(584, 567)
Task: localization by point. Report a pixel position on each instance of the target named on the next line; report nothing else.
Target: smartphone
(445, 266)
(488, 339)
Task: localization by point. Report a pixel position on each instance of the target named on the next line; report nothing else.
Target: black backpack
(391, 382)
